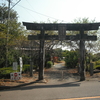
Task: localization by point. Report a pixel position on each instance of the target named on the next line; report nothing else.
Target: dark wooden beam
(68, 37)
(55, 26)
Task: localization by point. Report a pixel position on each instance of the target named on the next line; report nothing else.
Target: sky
(62, 11)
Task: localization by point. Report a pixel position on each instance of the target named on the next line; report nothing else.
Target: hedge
(71, 59)
(5, 72)
(49, 64)
(97, 64)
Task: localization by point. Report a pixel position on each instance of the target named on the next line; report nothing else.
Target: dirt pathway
(59, 73)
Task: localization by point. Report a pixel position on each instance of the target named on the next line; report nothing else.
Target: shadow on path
(28, 87)
(71, 84)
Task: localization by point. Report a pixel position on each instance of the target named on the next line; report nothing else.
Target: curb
(11, 87)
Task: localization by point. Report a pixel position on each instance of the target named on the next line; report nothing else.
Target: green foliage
(58, 53)
(96, 57)
(9, 47)
(97, 64)
(49, 64)
(97, 67)
(64, 53)
(26, 68)
(4, 13)
(5, 72)
(26, 59)
(71, 59)
(83, 20)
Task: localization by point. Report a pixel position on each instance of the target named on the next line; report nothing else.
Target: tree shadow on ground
(70, 84)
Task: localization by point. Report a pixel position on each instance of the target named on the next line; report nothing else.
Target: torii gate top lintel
(55, 26)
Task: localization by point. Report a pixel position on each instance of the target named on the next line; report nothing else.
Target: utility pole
(9, 9)
(8, 21)
(7, 32)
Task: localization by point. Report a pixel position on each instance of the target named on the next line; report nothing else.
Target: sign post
(15, 66)
(15, 76)
(21, 64)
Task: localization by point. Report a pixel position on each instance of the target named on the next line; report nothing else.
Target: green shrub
(96, 64)
(26, 68)
(5, 72)
(49, 64)
(71, 59)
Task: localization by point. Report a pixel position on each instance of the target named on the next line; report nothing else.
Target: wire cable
(15, 4)
(32, 8)
(41, 13)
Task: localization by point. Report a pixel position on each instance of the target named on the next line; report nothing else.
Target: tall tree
(4, 13)
(9, 42)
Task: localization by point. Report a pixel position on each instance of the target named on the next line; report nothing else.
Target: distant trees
(4, 14)
(71, 58)
(96, 57)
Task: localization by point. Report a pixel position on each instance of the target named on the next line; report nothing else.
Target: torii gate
(62, 36)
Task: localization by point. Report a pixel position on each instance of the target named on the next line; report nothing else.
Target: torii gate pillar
(82, 58)
(41, 56)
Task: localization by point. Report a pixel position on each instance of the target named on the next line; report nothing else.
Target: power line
(41, 13)
(15, 4)
(31, 7)
(29, 4)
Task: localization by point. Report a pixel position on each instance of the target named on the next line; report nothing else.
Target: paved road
(56, 89)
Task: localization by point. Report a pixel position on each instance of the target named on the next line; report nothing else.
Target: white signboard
(21, 63)
(15, 76)
(15, 65)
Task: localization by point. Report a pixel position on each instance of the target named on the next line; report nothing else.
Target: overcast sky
(62, 10)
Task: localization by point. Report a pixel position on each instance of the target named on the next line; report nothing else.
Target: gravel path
(59, 73)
